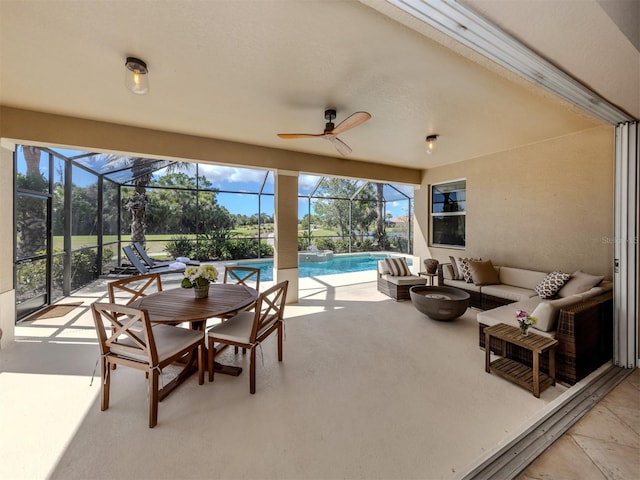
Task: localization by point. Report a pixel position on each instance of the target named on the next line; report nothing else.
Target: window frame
(434, 215)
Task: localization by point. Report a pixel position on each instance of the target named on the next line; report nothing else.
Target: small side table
(528, 377)
(429, 276)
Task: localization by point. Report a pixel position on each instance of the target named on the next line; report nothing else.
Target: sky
(226, 179)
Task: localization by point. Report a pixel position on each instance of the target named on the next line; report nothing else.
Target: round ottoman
(439, 303)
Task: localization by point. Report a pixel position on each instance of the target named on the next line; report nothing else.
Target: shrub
(180, 246)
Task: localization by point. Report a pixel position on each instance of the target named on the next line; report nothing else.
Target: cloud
(232, 174)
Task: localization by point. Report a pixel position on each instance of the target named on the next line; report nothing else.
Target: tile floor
(602, 445)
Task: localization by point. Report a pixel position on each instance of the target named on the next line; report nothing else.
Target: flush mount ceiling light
(431, 143)
(136, 76)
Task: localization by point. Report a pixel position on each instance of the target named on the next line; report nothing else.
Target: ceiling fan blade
(342, 147)
(350, 122)
(300, 135)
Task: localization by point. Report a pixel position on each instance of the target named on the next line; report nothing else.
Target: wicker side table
(528, 377)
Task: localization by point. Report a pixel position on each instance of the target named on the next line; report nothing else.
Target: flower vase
(201, 292)
(524, 330)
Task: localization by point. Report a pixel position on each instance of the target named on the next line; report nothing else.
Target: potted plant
(199, 279)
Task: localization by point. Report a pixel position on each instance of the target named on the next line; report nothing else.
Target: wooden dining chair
(149, 349)
(247, 276)
(133, 288)
(249, 329)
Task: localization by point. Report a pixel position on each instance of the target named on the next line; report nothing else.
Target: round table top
(179, 305)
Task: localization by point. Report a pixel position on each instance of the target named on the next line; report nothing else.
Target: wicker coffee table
(528, 377)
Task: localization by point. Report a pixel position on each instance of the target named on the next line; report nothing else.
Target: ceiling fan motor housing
(329, 115)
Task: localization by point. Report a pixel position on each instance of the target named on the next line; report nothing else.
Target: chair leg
(153, 398)
(210, 356)
(280, 331)
(201, 361)
(252, 371)
(106, 383)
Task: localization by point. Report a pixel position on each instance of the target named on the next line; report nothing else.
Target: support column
(285, 262)
(7, 292)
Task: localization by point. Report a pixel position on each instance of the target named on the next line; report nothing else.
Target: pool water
(345, 263)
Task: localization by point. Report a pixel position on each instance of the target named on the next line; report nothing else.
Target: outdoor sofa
(577, 311)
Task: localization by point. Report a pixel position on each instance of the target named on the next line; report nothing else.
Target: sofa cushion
(519, 277)
(580, 282)
(462, 285)
(507, 314)
(398, 267)
(547, 311)
(553, 282)
(405, 280)
(454, 265)
(483, 272)
(383, 269)
(447, 272)
(508, 292)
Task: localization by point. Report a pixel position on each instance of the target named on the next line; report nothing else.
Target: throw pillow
(447, 272)
(460, 267)
(463, 266)
(551, 284)
(483, 273)
(454, 266)
(398, 267)
(547, 312)
(579, 282)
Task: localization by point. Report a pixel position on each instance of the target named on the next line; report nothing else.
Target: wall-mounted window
(448, 214)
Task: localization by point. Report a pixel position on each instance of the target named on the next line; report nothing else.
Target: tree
(31, 212)
(348, 215)
(141, 174)
(380, 230)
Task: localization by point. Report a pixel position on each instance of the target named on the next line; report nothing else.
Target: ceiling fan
(331, 131)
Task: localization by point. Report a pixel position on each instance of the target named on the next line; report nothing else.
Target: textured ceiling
(247, 70)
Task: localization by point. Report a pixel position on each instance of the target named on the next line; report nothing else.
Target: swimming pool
(342, 263)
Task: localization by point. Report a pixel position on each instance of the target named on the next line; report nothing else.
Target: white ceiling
(247, 70)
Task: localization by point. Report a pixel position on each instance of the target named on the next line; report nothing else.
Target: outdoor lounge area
(324, 401)
(479, 129)
(314, 415)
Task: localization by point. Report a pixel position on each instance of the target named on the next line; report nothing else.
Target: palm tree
(141, 176)
(380, 231)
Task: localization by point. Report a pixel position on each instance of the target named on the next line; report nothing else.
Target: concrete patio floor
(369, 388)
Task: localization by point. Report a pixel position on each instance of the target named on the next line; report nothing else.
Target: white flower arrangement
(524, 319)
(199, 276)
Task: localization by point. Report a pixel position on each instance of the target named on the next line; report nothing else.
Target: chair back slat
(130, 338)
(134, 287)
(269, 310)
(247, 276)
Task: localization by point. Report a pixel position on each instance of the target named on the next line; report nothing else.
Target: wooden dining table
(179, 305)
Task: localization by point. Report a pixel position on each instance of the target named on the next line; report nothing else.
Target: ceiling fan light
(136, 77)
(431, 143)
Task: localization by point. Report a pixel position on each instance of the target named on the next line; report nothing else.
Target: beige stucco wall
(545, 206)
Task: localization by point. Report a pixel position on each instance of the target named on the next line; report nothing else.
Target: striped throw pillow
(398, 267)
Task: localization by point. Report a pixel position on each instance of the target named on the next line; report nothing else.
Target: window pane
(84, 209)
(448, 230)
(32, 169)
(31, 226)
(449, 197)
(31, 280)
